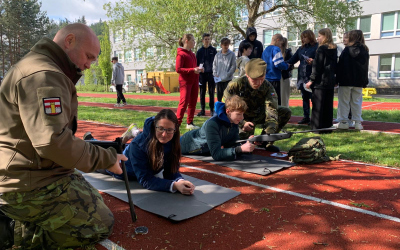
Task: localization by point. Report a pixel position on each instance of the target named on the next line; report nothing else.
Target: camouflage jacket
(255, 99)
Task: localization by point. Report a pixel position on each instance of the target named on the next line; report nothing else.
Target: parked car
(127, 87)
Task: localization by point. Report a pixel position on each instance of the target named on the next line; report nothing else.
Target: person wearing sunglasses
(157, 148)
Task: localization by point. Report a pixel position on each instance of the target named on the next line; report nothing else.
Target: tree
(158, 23)
(104, 58)
(22, 24)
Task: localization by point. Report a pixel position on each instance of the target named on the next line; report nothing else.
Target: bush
(91, 88)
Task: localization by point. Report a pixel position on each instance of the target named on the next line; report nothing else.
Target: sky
(73, 9)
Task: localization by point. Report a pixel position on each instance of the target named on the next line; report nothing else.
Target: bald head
(80, 43)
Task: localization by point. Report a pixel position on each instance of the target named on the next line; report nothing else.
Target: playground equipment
(162, 82)
(367, 92)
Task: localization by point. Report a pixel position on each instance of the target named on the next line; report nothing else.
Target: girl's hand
(197, 70)
(308, 85)
(310, 60)
(184, 187)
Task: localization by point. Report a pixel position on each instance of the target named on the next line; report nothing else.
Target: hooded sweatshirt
(118, 74)
(272, 55)
(324, 68)
(206, 57)
(224, 65)
(138, 167)
(241, 63)
(352, 68)
(185, 64)
(216, 132)
(257, 45)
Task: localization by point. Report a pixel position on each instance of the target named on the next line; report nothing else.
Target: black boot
(305, 120)
(7, 231)
(201, 113)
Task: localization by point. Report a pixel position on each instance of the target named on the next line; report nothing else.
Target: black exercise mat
(173, 206)
(252, 163)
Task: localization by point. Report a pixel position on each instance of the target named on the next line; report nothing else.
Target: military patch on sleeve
(52, 105)
(273, 94)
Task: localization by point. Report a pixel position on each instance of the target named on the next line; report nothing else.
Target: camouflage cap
(256, 68)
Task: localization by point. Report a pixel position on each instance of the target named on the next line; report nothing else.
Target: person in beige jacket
(52, 204)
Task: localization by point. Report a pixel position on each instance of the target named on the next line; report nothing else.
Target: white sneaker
(343, 125)
(191, 126)
(117, 105)
(358, 126)
(130, 133)
(351, 124)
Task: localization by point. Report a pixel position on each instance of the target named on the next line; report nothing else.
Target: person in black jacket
(286, 74)
(323, 80)
(352, 76)
(251, 37)
(305, 54)
(205, 56)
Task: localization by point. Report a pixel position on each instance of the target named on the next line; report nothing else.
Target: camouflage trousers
(268, 125)
(66, 213)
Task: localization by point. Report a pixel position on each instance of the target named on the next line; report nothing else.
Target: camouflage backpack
(309, 150)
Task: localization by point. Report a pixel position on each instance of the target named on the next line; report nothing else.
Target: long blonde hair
(327, 33)
(186, 37)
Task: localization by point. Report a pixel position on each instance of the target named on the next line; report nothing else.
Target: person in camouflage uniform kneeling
(262, 102)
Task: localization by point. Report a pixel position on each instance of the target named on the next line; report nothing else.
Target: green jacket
(262, 102)
(38, 120)
(216, 132)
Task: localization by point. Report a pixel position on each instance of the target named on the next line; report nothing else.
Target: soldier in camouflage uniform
(52, 205)
(261, 100)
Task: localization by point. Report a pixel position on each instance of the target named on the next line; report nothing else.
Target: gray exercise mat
(173, 206)
(251, 163)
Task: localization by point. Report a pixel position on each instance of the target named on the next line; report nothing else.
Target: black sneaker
(304, 121)
(88, 136)
(7, 231)
(201, 113)
(212, 113)
(272, 148)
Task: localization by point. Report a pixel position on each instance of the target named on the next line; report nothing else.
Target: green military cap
(256, 68)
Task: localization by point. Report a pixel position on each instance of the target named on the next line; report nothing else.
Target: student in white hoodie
(224, 67)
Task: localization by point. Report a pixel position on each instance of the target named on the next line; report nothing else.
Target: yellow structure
(168, 79)
(367, 92)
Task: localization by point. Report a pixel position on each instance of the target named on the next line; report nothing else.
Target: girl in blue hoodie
(218, 135)
(157, 148)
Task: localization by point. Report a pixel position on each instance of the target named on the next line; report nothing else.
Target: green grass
(371, 148)
(368, 115)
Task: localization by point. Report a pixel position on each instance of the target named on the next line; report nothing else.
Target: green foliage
(104, 61)
(88, 77)
(91, 87)
(160, 23)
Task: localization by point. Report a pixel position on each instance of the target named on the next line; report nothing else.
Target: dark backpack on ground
(309, 150)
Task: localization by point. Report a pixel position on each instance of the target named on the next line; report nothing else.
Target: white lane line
(372, 105)
(110, 245)
(307, 197)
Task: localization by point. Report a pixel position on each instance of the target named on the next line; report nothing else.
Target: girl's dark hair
(310, 35)
(357, 36)
(244, 45)
(184, 38)
(284, 46)
(156, 149)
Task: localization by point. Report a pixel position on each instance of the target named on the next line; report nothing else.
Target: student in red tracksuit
(186, 66)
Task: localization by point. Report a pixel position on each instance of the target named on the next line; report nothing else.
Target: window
(119, 54)
(390, 24)
(118, 35)
(319, 26)
(268, 34)
(138, 55)
(293, 36)
(363, 24)
(389, 66)
(128, 34)
(139, 76)
(244, 14)
(269, 4)
(160, 51)
(128, 56)
(129, 78)
(236, 44)
(149, 53)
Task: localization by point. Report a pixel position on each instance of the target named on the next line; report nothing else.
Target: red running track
(345, 205)
(366, 104)
(390, 127)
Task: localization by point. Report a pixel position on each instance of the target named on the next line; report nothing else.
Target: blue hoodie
(138, 167)
(216, 132)
(272, 55)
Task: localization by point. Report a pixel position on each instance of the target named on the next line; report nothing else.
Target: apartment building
(380, 23)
